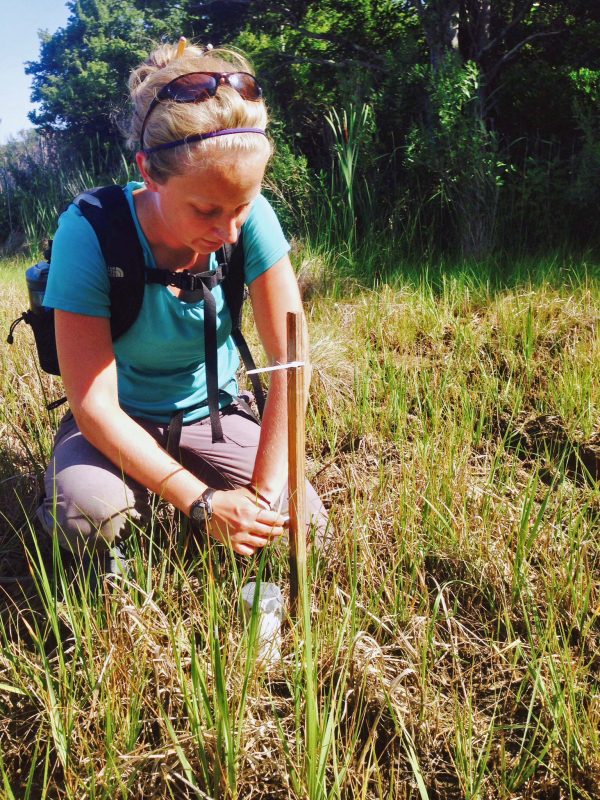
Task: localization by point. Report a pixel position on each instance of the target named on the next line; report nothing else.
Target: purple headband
(199, 137)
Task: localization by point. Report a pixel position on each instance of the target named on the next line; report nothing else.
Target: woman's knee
(87, 502)
(317, 520)
(87, 507)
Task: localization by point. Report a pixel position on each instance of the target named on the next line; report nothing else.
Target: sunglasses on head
(195, 87)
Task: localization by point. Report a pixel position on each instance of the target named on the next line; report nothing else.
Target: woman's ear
(142, 163)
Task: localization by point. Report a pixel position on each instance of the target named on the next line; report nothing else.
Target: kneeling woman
(200, 120)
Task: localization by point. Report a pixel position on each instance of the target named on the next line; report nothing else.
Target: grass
(449, 646)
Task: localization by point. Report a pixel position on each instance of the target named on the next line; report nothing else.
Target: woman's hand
(244, 520)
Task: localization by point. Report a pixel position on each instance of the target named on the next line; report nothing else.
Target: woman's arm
(273, 294)
(90, 377)
(89, 374)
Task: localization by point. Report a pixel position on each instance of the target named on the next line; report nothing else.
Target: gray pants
(89, 501)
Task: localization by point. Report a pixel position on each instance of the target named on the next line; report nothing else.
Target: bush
(453, 156)
(288, 182)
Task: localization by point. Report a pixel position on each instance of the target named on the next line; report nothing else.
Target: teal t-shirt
(160, 359)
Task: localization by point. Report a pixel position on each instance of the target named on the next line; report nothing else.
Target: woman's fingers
(267, 532)
(256, 520)
(255, 542)
(244, 550)
(257, 529)
(268, 517)
(244, 544)
(245, 524)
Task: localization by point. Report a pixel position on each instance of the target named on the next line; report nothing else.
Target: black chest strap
(204, 281)
(187, 281)
(231, 259)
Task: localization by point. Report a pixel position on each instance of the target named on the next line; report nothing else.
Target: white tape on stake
(290, 365)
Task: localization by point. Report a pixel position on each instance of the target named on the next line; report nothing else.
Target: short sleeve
(78, 280)
(264, 242)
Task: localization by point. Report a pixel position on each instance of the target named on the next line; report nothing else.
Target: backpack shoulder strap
(234, 289)
(108, 212)
(231, 260)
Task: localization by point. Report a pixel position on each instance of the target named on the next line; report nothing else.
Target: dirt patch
(545, 436)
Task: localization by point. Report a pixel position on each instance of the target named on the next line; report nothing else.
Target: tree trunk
(440, 21)
(462, 28)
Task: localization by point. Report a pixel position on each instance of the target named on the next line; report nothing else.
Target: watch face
(198, 513)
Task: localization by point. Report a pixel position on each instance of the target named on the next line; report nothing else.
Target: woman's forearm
(274, 294)
(270, 468)
(137, 454)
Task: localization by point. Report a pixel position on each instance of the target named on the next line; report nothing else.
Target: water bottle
(270, 616)
(37, 278)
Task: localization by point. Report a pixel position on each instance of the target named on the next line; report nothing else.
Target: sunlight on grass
(447, 645)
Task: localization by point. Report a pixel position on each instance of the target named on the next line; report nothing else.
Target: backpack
(107, 211)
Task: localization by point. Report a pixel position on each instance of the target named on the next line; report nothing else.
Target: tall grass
(52, 193)
(449, 637)
(39, 183)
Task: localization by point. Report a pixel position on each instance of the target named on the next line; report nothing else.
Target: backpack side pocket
(45, 340)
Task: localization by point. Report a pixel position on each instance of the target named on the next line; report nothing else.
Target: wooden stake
(296, 407)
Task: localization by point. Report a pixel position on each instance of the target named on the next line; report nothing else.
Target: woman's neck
(165, 255)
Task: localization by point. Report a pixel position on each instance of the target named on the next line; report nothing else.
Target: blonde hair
(171, 121)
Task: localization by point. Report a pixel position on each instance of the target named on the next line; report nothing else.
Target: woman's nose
(228, 230)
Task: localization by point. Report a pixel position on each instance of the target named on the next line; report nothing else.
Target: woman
(200, 121)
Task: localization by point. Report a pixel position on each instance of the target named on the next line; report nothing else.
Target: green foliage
(454, 154)
(483, 127)
(40, 176)
(585, 189)
(351, 131)
(587, 82)
(288, 181)
(81, 74)
(312, 57)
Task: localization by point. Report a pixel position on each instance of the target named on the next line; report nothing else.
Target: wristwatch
(201, 510)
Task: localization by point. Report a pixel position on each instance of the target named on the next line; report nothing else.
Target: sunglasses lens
(245, 84)
(195, 87)
(199, 86)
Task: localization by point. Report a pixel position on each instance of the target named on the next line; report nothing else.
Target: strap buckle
(191, 282)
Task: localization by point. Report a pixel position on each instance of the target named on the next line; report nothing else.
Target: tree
(80, 77)
(455, 90)
(489, 59)
(312, 56)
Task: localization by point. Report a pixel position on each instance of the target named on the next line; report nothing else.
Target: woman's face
(204, 209)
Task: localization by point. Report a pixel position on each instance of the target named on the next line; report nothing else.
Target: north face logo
(115, 272)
